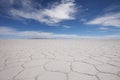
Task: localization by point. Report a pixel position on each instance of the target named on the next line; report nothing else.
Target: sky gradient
(60, 19)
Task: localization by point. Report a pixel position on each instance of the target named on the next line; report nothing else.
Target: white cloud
(108, 19)
(67, 27)
(33, 34)
(57, 13)
(7, 31)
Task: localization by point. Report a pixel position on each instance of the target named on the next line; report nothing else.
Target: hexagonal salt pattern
(60, 59)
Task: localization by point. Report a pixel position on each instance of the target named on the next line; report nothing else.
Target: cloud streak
(7, 31)
(108, 19)
(33, 34)
(103, 28)
(67, 27)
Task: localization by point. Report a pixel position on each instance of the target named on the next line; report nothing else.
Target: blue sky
(60, 19)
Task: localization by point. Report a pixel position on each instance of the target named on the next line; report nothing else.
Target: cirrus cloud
(108, 19)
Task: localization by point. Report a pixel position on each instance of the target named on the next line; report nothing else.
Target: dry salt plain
(60, 59)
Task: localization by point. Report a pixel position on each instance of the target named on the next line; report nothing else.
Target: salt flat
(65, 59)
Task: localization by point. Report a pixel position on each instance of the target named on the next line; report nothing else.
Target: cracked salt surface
(60, 59)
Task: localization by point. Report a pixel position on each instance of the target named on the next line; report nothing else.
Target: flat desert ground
(65, 59)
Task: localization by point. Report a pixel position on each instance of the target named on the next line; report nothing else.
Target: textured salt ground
(60, 59)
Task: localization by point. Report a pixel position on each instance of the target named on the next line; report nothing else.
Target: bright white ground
(59, 59)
